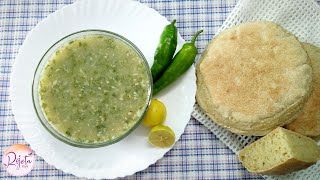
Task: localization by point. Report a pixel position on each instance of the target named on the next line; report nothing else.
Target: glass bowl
(37, 98)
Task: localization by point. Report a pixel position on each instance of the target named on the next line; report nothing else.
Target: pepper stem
(195, 36)
(173, 22)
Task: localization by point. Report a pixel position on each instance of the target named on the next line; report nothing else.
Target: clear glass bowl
(37, 77)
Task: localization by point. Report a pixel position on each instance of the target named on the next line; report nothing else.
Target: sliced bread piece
(280, 152)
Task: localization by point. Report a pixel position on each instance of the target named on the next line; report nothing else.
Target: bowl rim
(47, 57)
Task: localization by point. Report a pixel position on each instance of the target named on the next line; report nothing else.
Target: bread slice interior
(280, 152)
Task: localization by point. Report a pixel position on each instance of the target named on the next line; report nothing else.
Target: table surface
(197, 155)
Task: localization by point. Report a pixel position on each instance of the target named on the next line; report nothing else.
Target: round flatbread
(308, 123)
(255, 77)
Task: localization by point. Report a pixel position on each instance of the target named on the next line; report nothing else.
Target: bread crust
(308, 123)
(248, 85)
(288, 166)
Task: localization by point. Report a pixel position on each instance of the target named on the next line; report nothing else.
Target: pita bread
(253, 78)
(308, 123)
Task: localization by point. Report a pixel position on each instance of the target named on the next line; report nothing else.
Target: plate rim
(13, 79)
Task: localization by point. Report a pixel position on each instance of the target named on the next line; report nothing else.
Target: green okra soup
(94, 89)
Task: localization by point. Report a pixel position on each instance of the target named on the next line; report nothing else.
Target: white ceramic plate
(142, 26)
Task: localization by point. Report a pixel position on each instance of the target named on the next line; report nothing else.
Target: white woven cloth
(302, 18)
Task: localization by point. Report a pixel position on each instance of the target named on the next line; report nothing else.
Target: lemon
(162, 136)
(155, 115)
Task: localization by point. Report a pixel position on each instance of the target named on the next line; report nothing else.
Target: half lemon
(162, 136)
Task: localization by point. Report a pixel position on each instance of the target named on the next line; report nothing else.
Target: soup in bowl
(92, 88)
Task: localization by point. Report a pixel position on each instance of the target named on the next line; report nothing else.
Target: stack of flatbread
(255, 77)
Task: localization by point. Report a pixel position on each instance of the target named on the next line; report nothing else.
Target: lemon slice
(155, 115)
(162, 136)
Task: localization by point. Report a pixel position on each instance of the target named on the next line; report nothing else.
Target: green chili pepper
(165, 50)
(180, 64)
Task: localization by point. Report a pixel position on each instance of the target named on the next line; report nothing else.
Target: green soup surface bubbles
(94, 89)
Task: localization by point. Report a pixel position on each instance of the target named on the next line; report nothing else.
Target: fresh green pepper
(180, 64)
(165, 50)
